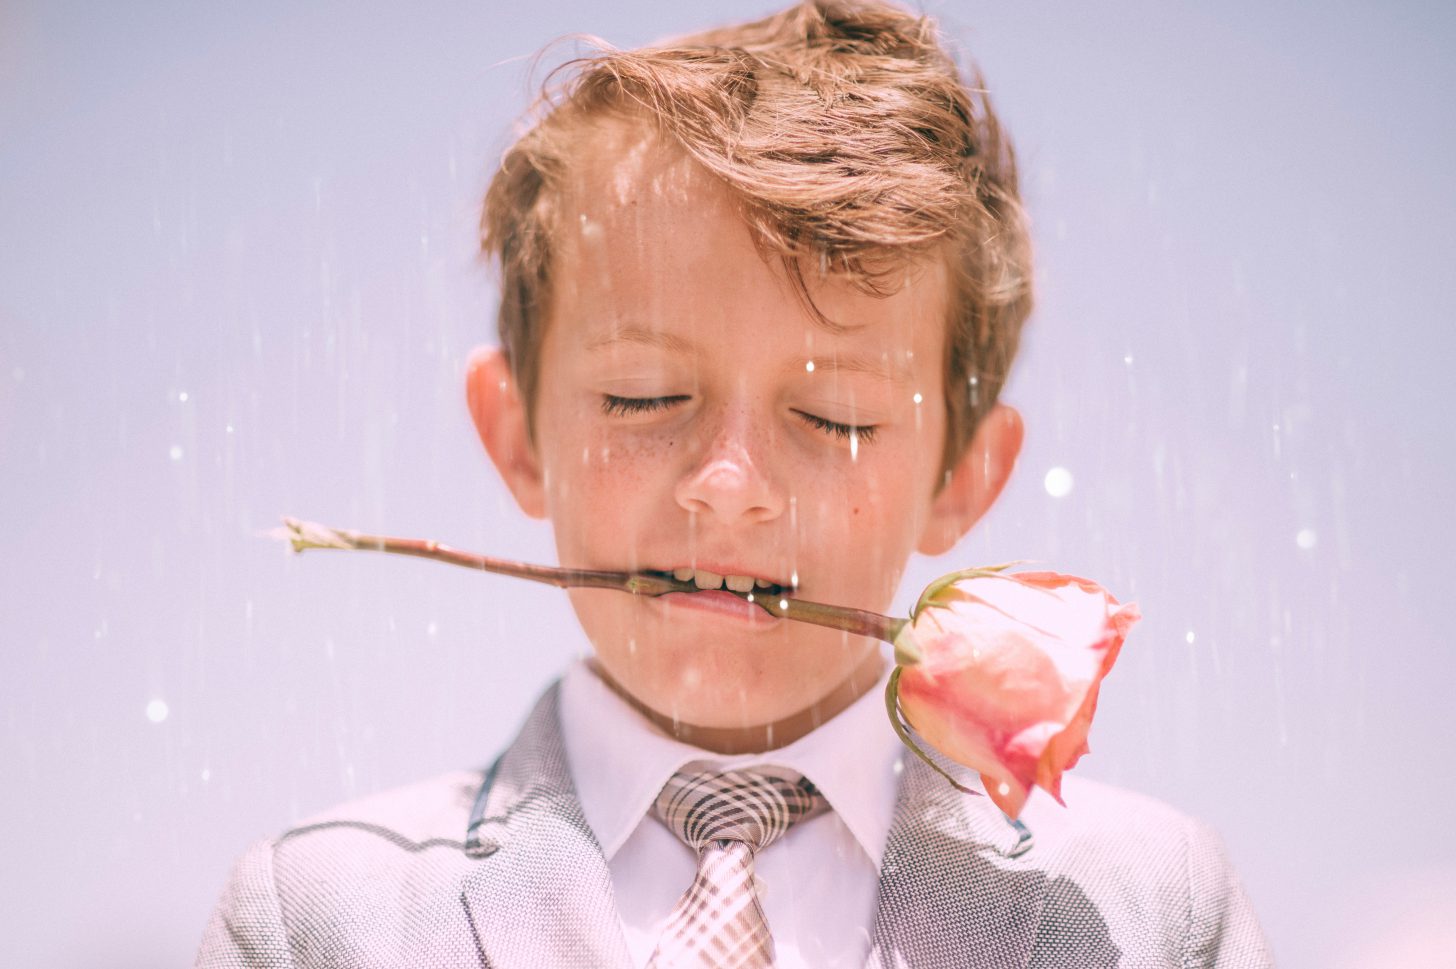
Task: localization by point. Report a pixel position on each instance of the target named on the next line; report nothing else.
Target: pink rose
(1008, 672)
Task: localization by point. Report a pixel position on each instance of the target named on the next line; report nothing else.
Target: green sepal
(927, 598)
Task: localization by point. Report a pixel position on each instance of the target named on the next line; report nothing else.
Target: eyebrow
(838, 363)
(855, 363)
(642, 337)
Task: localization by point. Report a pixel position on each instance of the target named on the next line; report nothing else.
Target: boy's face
(690, 414)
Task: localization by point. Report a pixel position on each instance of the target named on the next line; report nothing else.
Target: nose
(728, 481)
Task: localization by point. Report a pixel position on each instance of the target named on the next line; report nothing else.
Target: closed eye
(615, 406)
(864, 432)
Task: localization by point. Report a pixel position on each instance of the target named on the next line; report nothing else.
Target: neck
(761, 737)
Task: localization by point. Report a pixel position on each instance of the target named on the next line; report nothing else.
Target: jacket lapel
(958, 883)
(540, 893)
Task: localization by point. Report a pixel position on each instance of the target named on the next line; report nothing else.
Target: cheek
(868, 506)
(625, 465)
(608, 484)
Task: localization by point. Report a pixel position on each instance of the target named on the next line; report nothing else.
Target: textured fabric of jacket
(500, 869)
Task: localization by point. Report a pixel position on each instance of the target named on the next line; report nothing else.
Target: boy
(761, 289)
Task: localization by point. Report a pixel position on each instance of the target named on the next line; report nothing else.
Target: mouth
(747, 587)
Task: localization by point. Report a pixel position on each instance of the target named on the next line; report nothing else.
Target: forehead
(646, 238)
(632, 202)
(617, 164)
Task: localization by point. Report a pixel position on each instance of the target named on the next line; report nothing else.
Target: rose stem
(304, 535)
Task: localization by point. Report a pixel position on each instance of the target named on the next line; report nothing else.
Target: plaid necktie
(727, 817)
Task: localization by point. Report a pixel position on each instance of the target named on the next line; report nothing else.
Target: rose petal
(1009, 676)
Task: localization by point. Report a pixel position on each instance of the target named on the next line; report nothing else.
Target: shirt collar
(619, 761)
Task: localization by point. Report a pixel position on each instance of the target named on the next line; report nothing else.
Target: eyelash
(865, 432)
(621, 406)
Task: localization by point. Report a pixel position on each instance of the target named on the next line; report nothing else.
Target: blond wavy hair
(854, 146)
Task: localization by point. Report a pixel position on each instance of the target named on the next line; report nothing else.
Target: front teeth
(706, 580)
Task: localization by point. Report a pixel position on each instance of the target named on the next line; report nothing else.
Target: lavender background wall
(237, 280)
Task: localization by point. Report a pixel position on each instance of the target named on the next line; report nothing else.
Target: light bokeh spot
(1058, 482)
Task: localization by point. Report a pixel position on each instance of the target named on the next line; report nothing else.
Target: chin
(731, 686)
(703, 691)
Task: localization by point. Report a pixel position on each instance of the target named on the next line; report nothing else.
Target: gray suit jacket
(502, 871)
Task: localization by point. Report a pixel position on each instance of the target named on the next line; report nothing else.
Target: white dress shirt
(818, 883)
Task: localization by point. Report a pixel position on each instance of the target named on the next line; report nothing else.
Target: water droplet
(1189, 637)
(1306, 538)
(783, 603)
(1127, 359)
(1058, 482)
(917, 398)
(175, 452)
(181, 396)
(432, 629)
(157, 711)
(1003, 788)
(809, 366)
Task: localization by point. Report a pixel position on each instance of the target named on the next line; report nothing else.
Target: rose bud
(1007, 675)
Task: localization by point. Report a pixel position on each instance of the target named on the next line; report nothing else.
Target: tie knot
(753, 806)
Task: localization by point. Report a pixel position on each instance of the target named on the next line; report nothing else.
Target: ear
(500, 420)
(976, 480)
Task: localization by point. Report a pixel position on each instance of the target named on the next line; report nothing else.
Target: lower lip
(725, 604)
